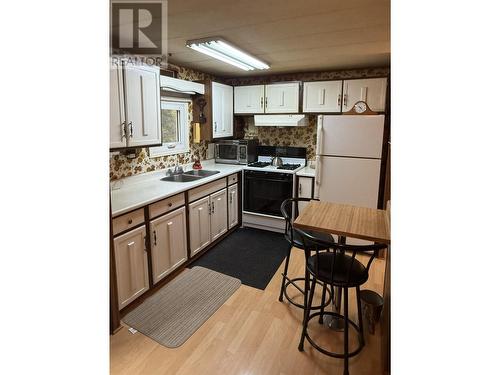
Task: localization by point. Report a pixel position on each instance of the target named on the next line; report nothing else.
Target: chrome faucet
(178, 169)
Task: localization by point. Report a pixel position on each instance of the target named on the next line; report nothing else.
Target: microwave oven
(238, 151)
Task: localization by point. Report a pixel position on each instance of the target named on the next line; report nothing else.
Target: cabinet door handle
(321, 97)
(131, 128)
(124, 129)
(154, 236)
(339, 100)
(345, 100)
(261, 102)
(300, 189)
(266, 101)
(215, 122)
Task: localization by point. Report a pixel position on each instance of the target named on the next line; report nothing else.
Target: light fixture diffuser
(224, 51)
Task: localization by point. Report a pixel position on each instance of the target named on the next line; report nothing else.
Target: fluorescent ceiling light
(223, 51)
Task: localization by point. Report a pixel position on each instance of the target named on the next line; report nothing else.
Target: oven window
(228, 152)
(264, 195)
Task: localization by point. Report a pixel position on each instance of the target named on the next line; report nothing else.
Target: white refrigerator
(348, 159)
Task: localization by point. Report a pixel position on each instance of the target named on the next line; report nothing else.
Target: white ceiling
(291, 36)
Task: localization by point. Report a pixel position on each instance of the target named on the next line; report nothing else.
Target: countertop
(307, 171)
(134, 192)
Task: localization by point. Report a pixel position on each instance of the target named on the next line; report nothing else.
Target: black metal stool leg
(285, 272)
(338, 298)
(346, 331)
(360, 317)
(307, 311)
(306, 290)
(323, 296)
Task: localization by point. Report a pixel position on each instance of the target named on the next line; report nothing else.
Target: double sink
(190, 176)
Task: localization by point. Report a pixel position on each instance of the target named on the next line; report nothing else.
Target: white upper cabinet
(142, 92)
(135, 118)
(249, 99)
(370, 90)
(117, 129)
(282, 98)
(275, 98)
(222, 110)
(168, 243)
(322, 96)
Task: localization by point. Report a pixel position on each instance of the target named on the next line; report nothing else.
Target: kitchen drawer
(232, 179)
(207, 189)
(165, 205)
(127, 221)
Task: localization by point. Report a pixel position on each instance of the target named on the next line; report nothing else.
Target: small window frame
(182, 146)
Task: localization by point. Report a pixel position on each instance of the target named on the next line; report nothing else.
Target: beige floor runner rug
(177, 310)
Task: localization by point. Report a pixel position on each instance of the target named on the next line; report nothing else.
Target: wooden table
(356, 222)
(346, 220)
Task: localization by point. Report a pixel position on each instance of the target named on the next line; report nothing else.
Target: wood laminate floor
(252, 334)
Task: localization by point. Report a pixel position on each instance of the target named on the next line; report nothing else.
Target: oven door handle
(268, 179)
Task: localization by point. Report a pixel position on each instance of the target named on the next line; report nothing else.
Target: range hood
(280, 120)
(181, 86)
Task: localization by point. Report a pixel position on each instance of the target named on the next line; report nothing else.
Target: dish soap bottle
(197, 163)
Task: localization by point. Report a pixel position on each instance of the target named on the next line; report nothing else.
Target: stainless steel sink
(193, 175)
(201, 173)
(181, 178)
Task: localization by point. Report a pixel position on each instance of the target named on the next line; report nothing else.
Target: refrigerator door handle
(317, 173)
(319, 139)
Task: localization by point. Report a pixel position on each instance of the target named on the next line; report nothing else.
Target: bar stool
(340, 270)
(325, 241)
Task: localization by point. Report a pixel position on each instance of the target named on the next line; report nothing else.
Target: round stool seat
(323, 238)
(343, 275)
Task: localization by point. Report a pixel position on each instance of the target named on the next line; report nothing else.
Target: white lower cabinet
(131, 265)
(168, 243)
(199, 224)
(207, 220)
(232, 211)
(218, 217)
(304, 190)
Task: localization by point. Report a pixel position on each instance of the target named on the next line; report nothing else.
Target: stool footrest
(333, 354)
(292, 282)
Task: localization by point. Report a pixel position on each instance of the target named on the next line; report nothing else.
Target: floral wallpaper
(310, 76)
(300, 136)
(122, 166)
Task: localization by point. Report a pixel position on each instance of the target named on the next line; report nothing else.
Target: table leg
(335, 323)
